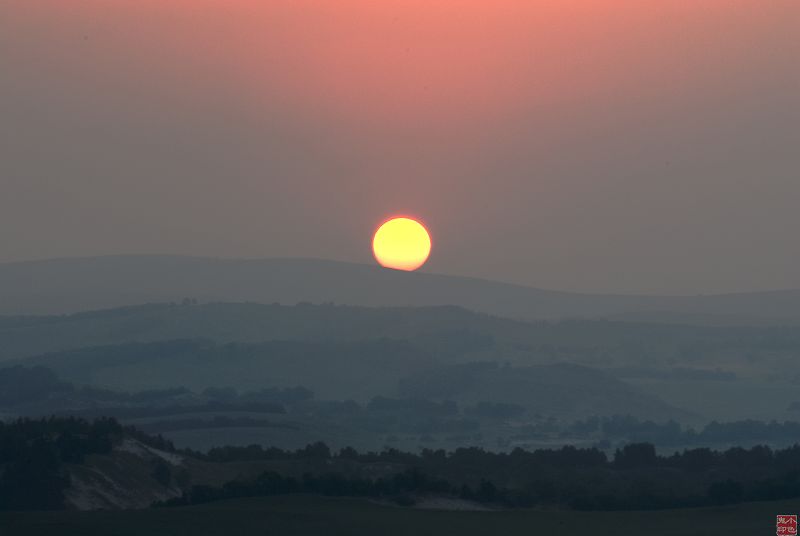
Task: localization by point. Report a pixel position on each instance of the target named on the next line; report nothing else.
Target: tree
(34, 481)
(727, 492)
(162, 472)
(636, 455)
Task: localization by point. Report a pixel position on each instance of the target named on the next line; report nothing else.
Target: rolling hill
(352, 370)
(69, 285)
(450, 334)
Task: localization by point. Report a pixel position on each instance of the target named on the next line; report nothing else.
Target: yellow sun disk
(402, 244)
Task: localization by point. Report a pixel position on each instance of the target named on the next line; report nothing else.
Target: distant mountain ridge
(338, 370)
(70, 285)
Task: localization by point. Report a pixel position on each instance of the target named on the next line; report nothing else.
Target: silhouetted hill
(336, 370)
(68, 285)
(558, 389)
(450, 334)
(356, 370)
(252, 322)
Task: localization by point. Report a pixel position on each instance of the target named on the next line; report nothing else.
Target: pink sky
(574, 144)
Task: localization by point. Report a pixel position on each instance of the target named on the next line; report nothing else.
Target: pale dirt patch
(133, 446)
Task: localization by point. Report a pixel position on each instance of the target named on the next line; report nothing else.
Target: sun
(401, 244)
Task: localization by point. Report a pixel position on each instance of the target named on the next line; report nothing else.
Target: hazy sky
(614, 145)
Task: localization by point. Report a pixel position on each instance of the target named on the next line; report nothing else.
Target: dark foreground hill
(69, 285)
(311, 516)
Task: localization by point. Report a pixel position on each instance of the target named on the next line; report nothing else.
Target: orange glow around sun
(401, 244)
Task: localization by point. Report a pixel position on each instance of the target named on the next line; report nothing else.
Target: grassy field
(302, 515)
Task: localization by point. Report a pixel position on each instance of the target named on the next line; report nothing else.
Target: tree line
(634, 477)
(34, 458)
(33, 454)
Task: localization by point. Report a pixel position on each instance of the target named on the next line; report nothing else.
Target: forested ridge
(35, 456)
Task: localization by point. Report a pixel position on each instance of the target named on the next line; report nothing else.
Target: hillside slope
(306, 515)
(352, 370)
(449, 334)
(69, 285)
